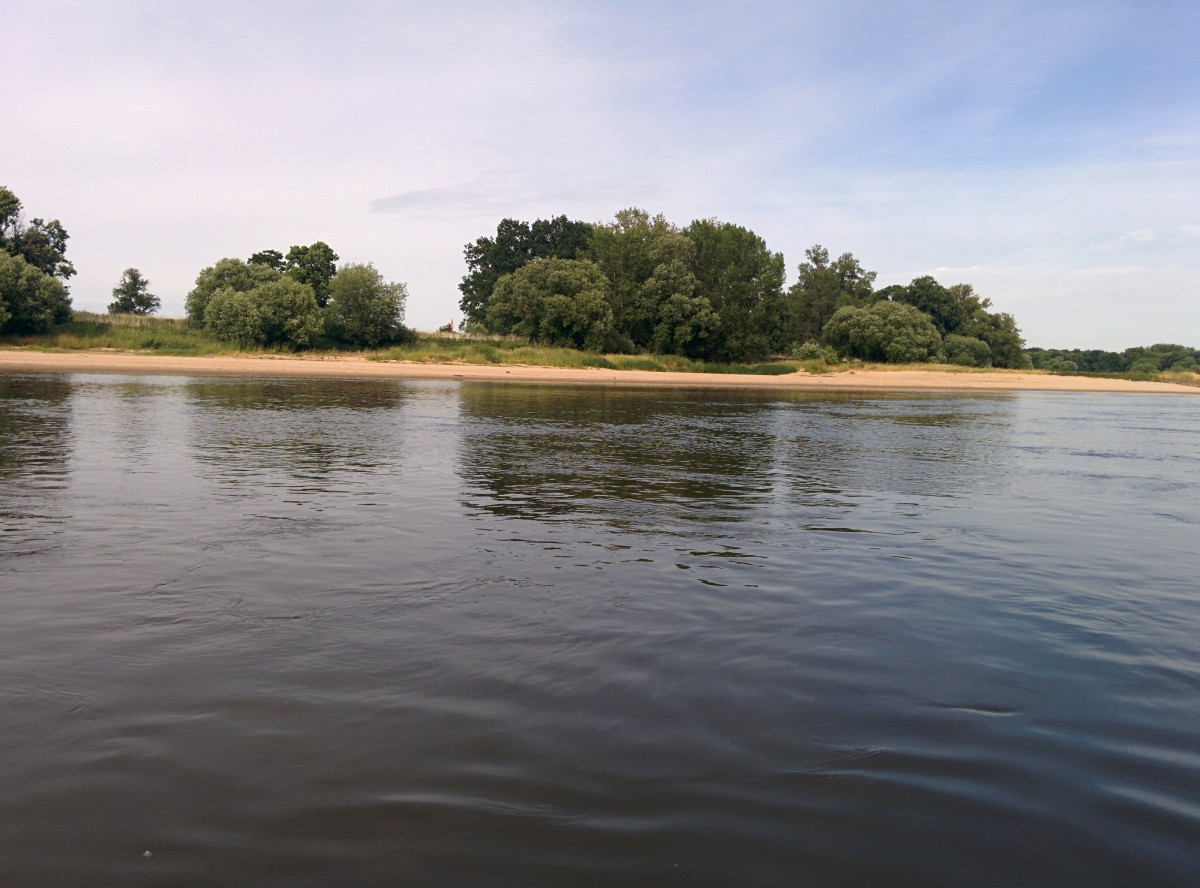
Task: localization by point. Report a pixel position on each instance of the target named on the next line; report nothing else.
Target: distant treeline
(713, 291)
(1163, 357)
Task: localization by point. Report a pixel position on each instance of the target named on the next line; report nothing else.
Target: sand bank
(17, 360)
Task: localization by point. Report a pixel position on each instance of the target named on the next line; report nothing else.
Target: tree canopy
(132, 295)
(515, 244)
(554, 302)
(365, 310)
(314, 265)
(33, 270)
(715, 291)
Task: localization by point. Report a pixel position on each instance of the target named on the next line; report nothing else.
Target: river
(314, 632)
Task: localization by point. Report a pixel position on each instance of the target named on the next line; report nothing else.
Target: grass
(86, 330)
(435, 349)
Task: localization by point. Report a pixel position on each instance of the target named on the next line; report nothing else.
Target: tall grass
(435, 349)
(87, 330)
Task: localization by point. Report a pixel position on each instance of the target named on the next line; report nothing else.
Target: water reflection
(651, 459)
(304, 435)
(36, 446)
(623, 459)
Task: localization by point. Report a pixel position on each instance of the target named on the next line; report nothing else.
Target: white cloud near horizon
(1045, 153)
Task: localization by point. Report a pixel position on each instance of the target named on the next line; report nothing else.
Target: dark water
(375, 633)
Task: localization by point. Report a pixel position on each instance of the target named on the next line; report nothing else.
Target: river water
(377, 633)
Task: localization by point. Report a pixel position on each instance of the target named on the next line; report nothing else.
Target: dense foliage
(365, 310)
(1163, 357)
(271, 301)
(714, 291)
(33, 270)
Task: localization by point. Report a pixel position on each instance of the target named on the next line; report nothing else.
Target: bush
(232, 316)
(364, 310)
(233, 274)
(282, 312)
(966, 351)
(884, 331)
(31, 301)
(812, 350)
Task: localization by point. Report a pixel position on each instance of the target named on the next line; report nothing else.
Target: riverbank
(17, 360)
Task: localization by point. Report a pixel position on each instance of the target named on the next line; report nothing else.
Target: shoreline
(334, 367)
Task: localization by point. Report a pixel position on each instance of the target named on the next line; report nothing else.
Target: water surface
(303, 632)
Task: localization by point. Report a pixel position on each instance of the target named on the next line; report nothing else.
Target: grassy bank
(440, 349)
(175, 336)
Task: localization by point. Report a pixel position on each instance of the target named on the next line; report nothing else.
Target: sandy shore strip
(20, 360)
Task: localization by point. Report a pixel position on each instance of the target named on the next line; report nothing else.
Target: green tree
(42, 244)
(270, 258)
(945, 308)
(233, 274)
(281, 312)
(364, 309)
(883, 331)
(743, 282)
(627, 252)
(232, 316)
(555, 302)
(31, 301)
(999, 330)
(822, 287)
(132, 295)
(966, 351)
(314, 265)
(516, 243)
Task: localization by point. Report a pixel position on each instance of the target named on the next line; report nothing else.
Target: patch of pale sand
(16, 360)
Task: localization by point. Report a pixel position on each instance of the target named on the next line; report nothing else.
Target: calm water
(378, 633)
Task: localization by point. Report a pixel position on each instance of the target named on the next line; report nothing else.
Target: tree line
(1150, 359)
(714, 291)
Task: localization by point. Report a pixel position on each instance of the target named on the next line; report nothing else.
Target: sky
(1046, 152)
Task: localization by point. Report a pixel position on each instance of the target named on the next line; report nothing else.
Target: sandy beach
(19, 360)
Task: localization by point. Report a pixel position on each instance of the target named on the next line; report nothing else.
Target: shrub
(966, 351)
(884, 331)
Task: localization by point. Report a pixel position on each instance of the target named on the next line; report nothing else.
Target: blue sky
(1048, 153)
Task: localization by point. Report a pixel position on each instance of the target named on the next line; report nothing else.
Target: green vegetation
(515, 350)
(1144, 361)
(123, 332)
(296, 302)
(713, 292)
(637, 293)
(33, 270)
(132, 295)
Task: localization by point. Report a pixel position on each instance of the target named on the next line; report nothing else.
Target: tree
(233, 274)
(42, 244)
(31, 301)
(555, 302)
(627, 251)
(883, 331)
(743, 282)
(270, 258)
(516, 243)
(364, 310)
(33, 270)
(945, 308)
(281, 312)
(314, 265)
(966, 351)
(820, 290)
(132, 295)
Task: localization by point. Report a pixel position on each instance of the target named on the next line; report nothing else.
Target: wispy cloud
(1021, 142)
